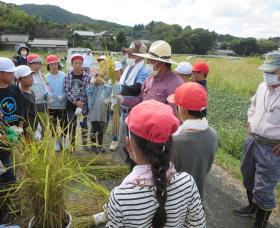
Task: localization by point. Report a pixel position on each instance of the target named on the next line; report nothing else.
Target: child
(56, 79)
(200, 71)
(39, 86)
(24, 76)
(184, 71)
(116, 90)
(76, 84)
(11, 109)
(194, 143)
(21, 58)
(154, 194)
(98, 98)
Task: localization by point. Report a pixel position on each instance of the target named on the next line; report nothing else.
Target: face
(36, 67)
(6, 77)
(77, 65)
(23, 51)
(26, 81)
(197, 76)
(182, 114)
(185, 77)
(53, 67)
(118, 74)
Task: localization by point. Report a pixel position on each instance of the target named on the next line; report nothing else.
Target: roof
(14, 38)
(48, 43)
(84, 33)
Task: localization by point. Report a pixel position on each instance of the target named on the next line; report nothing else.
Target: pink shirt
(157, 88)
(264, 113)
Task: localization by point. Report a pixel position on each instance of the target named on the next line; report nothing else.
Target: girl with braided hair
(154, 194)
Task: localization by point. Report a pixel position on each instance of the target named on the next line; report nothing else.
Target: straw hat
(160, 50)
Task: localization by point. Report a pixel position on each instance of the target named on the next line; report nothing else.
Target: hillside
(58, 15)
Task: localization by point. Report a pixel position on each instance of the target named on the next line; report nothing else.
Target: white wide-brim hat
(160, 50)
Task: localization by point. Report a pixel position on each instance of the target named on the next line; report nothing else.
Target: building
(225, 53)
(84, 33)
(49, 44)
(10, 40)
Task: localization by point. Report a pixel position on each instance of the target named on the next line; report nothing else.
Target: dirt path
(223, 193)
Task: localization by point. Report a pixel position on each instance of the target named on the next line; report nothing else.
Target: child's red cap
(190, 96)
(153, 121)
(201, 67)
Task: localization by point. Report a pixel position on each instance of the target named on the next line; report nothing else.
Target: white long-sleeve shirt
(135, 206)
(264, 112)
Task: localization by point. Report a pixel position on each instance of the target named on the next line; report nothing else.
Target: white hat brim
(149, 56)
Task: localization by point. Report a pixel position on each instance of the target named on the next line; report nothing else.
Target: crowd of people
(164, 130)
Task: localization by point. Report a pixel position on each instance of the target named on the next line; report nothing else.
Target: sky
(242, 18)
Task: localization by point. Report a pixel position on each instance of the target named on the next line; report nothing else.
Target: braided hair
(159, 156)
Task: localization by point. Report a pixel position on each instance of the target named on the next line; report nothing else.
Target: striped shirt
(135, 206)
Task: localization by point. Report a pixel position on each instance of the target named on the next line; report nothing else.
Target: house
(49, 44)
(10, 40)
(84, 33)
(225, 52)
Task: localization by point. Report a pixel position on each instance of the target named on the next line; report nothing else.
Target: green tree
(245, 46)
(266, 45)
(121, 41)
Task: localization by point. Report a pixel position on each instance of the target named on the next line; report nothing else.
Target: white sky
(257, 18)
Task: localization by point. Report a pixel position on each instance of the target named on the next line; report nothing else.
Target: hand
(17, 129)
(78, 111)
(120, 98)
(99, 81)
(276, 150)
(114, 101)
(79, 104)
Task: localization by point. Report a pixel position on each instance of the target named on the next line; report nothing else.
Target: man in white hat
(162, 82)
(184, 71)
(261, 157)
(88, 61)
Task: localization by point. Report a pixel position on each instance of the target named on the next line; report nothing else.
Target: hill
(55, 14)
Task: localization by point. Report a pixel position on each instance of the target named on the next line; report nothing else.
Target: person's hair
(198, 114)
(59, 67)
(159, 156)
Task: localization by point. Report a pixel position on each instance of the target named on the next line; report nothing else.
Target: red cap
(52, 59)
(153, 121)
(33, 58)
(77, 56)
(201, 67)
(190, 96)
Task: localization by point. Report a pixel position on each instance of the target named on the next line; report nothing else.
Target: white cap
(22, 71)
(7, 65)
(118, 66)
(102, 57)
(184, 68)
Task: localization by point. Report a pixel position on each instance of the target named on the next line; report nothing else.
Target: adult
(21, 58)
(194, 143)
(131, 80)
(162, 82)
(154, 194)
(184, 70)
(88, 62)
(261, 157)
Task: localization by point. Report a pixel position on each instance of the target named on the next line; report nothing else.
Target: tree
(121, 41)
(266, 45)
(245, 46)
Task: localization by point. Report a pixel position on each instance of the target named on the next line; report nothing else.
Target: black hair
(198, 114)
(59, 67)
(159, 156)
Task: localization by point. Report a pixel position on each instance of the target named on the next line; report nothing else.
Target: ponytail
(159, 156)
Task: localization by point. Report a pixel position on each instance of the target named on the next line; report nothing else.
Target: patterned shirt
(73, 96)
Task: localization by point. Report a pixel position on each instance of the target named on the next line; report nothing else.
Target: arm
(132, 90)
(115, 216)
(252, 108)
(195, 212)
